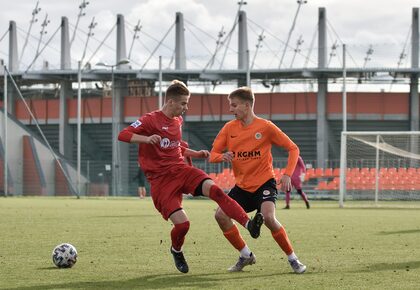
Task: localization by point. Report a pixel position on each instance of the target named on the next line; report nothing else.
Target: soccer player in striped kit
(297, 178)
(246, 142)
(161, 156)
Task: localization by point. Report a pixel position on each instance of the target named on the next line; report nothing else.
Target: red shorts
(167, 190)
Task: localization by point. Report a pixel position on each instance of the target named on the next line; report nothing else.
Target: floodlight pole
(5, 109)
(160, 83)
(343, 159)
(115, 157)
(79, 123)
(115, 145)
(344, 90)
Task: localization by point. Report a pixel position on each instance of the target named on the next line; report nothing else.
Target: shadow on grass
(48, 268)
(161, 281)
(372, 207)
(124, 216)
(391, 266)
(400, 232)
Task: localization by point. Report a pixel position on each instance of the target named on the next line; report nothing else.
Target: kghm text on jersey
(247, 154)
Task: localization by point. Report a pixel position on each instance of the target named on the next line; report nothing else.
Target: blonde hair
(176, 90)
(243, 94)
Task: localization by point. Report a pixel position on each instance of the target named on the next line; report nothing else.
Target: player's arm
(280, 139)
(219, 145)
(137, 133)
(196, 154)
(190, 153)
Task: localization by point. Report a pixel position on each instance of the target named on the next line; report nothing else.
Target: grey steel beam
(322, 123)
(121, 44)
(243, 59)
(414, 79)
(65, 60)
(65, 132)
(13, 49)
(13, 66)
(120, 90)
(180, 56)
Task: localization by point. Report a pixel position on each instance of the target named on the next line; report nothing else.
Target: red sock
(178, 235)
(283, 240)
(231, 208)
(234, 237)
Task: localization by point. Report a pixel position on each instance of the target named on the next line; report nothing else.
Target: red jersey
(157, 159)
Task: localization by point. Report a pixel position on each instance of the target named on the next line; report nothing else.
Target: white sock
(176, 250)
(245, 252)
(292, 257)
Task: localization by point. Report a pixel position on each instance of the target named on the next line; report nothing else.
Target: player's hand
(228, 156)
(285, 183)
(154, 139)
(203, 154)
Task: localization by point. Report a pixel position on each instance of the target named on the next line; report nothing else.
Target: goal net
(378, 166)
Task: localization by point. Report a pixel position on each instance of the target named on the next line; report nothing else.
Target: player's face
(181, 106)
(238, 107)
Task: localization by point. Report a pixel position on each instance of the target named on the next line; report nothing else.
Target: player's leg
(167, 199)
(199, 183)
(280, 236)
(268, 195)
(178, 233)
(304, 197)
(287, 199)
(231, 208)
(232, 234)
(297, 184)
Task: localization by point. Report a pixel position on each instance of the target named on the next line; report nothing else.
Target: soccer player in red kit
(297, 178)
(161, 156)
(246, 143)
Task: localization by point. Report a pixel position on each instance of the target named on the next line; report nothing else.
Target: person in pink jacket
(297, 178)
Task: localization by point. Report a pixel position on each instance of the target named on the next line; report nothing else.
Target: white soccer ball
(64, 255)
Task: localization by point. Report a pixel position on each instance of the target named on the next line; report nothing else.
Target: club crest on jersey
(266, 192)
(136, 124)
(258, 135)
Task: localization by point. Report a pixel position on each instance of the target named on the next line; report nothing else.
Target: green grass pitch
(124, 244)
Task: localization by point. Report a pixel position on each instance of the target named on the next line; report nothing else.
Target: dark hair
(244, 94)
(176, 90)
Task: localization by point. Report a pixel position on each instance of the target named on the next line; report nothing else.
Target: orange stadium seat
(354, 171)
(310, 173)
(328, 172)
(364, 171)
(319, 172)
(411, 171)
(322, 185)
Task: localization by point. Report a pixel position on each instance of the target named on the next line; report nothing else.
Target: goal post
(379, 165)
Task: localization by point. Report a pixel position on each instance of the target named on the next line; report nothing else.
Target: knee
(271, 222)
(183, 227)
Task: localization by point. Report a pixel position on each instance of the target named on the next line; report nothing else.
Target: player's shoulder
(150, 115)
(264, 122)
(232, 123)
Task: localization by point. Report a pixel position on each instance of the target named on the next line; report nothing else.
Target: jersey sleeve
(280, 139)
(219, 145)
(139, 127)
